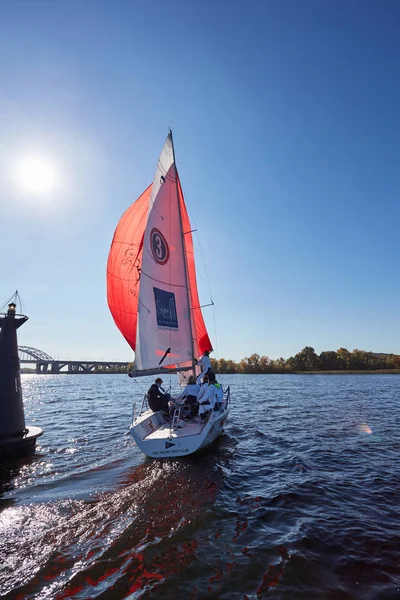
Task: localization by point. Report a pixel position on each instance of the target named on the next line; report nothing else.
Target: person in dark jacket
(157, 398)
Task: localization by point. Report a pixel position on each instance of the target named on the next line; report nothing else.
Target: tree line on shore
(308, 360)
(305, 360)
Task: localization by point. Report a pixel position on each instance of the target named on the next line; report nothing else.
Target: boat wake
(123, 542)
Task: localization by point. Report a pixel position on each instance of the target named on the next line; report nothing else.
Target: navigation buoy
(16, 439)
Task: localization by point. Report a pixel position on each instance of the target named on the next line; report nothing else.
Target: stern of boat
(158, 438)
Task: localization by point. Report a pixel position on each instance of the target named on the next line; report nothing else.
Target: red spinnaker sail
(123, 267)
(203, 340)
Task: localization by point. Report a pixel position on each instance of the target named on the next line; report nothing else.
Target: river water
(298, 499)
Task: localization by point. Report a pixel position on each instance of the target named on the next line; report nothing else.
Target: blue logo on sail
(165, 309)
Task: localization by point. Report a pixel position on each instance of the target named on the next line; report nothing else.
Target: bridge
(46, 364)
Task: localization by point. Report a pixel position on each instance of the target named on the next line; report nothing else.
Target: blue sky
(286, 125)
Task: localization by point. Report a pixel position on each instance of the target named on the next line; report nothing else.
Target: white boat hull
(158, 439)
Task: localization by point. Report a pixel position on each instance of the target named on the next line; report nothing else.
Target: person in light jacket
(205, 365)
(212, 397)
(189, 394)
(203, 388)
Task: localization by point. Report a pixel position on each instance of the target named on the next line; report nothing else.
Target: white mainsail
(164, 320)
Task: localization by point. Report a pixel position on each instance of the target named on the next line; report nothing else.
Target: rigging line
(167, 177)
(221, 377)
(157, 211)
(164, 175)
(161, 167)
(215, 333)
(193, 222)
(129, 244)
(151, 205)
(204, 266)
(140, 386)
(164, 172)
(144, 306)
(20, 302)
(202, 306)
(16, 299)
(162, 282)
(7, 302)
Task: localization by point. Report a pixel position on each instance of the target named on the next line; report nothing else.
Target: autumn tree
(306, 360)
(343, 357)
(329, 361)
(231, 366)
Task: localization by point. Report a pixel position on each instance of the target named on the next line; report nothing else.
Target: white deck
(165, 431)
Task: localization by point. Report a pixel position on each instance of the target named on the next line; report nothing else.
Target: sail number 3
(159, 246)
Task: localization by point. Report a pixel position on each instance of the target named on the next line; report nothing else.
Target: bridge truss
(46, 364)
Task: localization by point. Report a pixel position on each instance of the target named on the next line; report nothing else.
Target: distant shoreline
(349, 372)
(355, 372)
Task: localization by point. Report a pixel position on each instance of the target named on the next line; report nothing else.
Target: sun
(36, 176)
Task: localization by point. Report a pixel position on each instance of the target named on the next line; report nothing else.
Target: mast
(184, 254)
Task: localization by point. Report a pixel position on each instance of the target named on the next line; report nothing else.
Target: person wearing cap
(205, 365)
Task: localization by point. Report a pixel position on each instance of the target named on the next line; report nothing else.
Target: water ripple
(299, 499)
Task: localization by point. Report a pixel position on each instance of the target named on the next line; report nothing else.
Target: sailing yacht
(153, 298)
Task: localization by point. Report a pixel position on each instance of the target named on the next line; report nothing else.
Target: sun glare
(35, 176)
